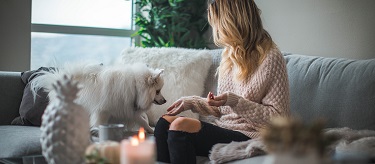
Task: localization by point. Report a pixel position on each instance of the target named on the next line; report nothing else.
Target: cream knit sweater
(250, 105)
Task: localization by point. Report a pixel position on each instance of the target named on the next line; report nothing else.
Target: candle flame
(134, 141)
(141, 134)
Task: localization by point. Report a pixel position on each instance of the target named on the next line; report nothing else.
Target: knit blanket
(350, 141)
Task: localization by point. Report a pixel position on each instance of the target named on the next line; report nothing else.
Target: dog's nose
(164, 101)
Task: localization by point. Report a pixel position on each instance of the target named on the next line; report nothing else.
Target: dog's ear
(153, 78)
(161, 71)
(150, 80)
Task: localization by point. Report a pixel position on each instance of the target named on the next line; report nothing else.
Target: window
(80, 30)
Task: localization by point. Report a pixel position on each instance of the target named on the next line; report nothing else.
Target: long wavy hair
(237, 26)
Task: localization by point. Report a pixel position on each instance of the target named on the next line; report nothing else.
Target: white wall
(15, 31)
(331, 28)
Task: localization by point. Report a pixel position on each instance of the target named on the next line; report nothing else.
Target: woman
(252, 88)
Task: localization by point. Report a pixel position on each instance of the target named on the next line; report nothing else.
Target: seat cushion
(18, 141)
(252, 160)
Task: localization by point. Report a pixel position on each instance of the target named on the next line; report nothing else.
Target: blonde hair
(237, 27)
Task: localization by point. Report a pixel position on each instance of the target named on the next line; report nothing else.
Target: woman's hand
(176, 108)
(216, 100)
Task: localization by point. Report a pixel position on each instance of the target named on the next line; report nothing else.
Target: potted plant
(171, 23)
(289, 140)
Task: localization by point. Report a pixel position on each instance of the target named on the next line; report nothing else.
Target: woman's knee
(161, 126)
(185, 124)
(170, 119)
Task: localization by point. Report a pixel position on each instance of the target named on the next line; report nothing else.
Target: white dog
(117, 92)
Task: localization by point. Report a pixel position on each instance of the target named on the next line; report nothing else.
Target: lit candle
(141, 134)
(138, 150)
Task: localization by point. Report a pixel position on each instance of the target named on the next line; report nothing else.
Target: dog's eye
(158, 92)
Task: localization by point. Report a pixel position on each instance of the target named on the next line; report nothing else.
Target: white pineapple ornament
(65, 126)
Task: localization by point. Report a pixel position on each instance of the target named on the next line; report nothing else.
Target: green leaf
(169, 23)
(161, 41)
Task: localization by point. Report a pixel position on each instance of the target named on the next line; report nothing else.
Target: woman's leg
(188, 138)
(161, 136)
(180, 137)
(210, 134)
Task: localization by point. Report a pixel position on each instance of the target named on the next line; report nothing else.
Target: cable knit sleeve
(199, 105)
(275, 99)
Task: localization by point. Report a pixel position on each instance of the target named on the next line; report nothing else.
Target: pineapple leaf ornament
(65, 129)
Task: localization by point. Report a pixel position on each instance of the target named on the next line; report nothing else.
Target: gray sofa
(339, 90)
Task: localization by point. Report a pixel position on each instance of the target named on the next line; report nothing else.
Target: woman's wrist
(188, 102)
(232, 99)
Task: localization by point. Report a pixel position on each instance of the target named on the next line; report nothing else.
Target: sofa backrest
(341, 91)
(211, 80)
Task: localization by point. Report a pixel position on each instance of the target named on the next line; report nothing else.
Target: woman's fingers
(210, 96)
(170, 108)
(174, 112)
(174, 105)
(211, 99)
(171, 113)
(217, 100)
(175, 109)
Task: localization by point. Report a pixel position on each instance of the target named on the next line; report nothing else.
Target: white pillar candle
(137, 150)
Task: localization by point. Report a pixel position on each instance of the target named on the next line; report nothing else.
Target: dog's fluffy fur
(116, 92)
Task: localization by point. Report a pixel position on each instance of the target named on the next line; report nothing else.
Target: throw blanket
(359, 141)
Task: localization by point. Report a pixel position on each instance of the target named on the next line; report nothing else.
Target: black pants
(179, 147)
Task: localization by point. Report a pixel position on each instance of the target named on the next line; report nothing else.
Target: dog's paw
(149, 130)
(94, 132)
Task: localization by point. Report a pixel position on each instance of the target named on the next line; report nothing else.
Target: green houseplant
(171, 23)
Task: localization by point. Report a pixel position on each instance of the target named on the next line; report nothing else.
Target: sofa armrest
(11, 91)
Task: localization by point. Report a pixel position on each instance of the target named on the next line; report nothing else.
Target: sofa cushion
(342, 91)
(31, 110)
(17, 141)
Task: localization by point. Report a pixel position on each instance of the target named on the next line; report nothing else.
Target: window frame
(83, 30)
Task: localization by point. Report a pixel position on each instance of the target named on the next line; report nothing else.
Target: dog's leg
(143, 122)
(94, 130)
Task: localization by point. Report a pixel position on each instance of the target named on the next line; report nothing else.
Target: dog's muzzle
(160, 102)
